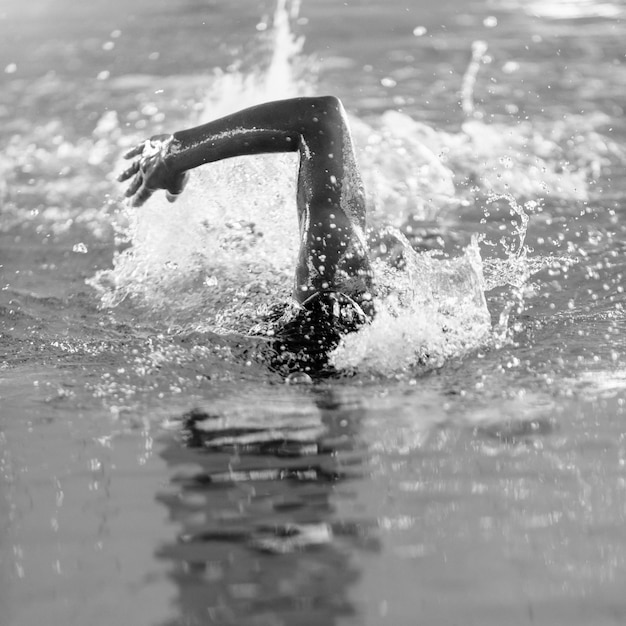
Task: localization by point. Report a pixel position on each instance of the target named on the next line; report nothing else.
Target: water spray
(479, 51)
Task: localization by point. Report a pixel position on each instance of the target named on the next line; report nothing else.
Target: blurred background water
(467, 465)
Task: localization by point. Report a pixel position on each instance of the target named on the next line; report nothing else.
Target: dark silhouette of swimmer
(333, 280)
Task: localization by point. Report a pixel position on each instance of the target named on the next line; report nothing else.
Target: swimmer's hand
(151, 171)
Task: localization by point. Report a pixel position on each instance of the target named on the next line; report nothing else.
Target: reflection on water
(254, 492)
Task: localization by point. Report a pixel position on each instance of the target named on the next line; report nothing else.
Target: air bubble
(298, 378)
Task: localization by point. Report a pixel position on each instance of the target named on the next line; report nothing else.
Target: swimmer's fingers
(134, 185)
(177, 186)
(136, 151)
(131, 171)
(141, 196)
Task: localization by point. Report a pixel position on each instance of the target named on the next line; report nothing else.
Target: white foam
(226, 249)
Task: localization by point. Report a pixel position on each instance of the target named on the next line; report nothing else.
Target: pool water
(466, 464)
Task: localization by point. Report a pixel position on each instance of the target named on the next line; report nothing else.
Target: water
(468, 465)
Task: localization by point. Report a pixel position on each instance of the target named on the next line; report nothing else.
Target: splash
(220, 256)
(54, 181)
(429, 311)
(286, 74)
(517, 267)
(412, 167)
(227, 247)
(479, 50)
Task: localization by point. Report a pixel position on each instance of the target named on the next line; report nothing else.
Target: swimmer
(333, 286)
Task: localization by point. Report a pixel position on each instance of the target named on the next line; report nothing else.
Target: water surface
(467, 465)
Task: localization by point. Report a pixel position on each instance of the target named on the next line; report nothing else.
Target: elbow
(328, 109)
(330, 102)
(330, 105)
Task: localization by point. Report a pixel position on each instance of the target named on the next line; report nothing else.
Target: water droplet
(510, 66)
(298, 378)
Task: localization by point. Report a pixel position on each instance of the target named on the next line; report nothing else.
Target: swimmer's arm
(265, 128)
(163, 161)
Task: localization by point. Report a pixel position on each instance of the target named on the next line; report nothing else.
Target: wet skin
(332, 260)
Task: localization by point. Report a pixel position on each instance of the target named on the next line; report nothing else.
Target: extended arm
(270, 127)
(314, 126)
(330, 198)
